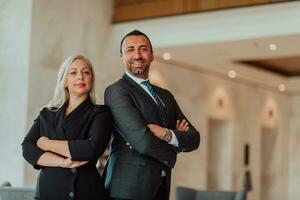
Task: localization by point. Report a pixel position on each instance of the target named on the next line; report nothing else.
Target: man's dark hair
(135, 33)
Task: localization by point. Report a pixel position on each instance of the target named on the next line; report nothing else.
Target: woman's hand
(68, 163)
(42, 143)
(182, 125)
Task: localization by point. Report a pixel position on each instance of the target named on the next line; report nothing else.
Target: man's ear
(152, 57)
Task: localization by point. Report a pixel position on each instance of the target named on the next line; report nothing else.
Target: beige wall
(15, 19)
(246, 109)
(294, 150)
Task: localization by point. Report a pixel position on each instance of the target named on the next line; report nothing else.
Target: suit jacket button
(166, 162)
(127, 144)
(73, 170)
(130, 147)
(71, 194)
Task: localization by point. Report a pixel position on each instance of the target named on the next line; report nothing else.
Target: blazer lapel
(140, 90)
(59, 123)
(149, 99)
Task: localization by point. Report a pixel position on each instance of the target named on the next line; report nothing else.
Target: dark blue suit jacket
(137, 157)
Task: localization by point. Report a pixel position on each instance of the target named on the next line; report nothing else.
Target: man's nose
(137, 54)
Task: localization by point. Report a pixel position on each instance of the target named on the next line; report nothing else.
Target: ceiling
(285, 66)
(253, 59)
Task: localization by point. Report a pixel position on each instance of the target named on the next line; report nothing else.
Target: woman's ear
(66, 85)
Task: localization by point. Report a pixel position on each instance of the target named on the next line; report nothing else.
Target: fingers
(177, 124)
(182, 125)
(78, 163)
(68, 163)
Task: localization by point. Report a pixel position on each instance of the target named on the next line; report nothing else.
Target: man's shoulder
(120, 83)
(163, 90)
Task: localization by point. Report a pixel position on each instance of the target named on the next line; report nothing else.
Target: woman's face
(79, 78)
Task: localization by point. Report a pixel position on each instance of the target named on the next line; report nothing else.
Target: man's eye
(86, 72)
(72, 73)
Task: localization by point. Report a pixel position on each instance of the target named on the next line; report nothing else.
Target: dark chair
(14, 193)
(183, 193)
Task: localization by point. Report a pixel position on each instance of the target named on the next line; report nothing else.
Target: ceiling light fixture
(231, 74)
(273, 47)
(167, 56)
(281, 87)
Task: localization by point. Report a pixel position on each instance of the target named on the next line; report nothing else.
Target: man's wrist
(167, 135)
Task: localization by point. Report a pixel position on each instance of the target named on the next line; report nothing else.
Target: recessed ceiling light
(167, 56)
(231, 74)
(273, 47)
(281, 87)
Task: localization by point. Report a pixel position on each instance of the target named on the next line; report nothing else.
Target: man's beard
(141, 70)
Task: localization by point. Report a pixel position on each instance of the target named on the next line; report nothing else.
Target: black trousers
(162, 193)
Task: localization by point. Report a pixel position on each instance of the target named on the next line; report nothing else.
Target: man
(150, 128)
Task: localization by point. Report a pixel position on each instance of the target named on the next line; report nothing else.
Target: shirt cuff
(174, 140)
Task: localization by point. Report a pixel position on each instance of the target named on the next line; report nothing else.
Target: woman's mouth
(80, 85)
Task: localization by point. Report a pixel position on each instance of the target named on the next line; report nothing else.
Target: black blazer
(137, 157)
(87, 128)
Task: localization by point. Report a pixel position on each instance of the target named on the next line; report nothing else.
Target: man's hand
(68, 163)
(157, 130)
(42, 143)
(182, 125)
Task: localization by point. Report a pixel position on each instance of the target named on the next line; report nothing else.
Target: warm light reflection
(273, 47)
(281, 87)
(232, 74)
(167, 56)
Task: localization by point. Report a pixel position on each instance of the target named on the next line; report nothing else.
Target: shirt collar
(137, 80)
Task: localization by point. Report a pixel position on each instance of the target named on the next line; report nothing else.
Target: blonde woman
(68, 136)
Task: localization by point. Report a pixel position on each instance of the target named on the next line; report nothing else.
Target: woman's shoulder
(47, 110)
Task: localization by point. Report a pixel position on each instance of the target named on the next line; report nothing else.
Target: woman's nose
(80, 76)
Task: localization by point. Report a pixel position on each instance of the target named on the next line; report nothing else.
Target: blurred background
(233, 66)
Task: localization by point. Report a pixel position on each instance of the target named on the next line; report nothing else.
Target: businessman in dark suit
(150, 128)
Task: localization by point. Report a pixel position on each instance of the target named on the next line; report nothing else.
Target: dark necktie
(162, 109)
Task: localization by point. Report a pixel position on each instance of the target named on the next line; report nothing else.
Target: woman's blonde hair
(61, 94)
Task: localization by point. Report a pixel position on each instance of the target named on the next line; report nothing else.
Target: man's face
(137, 56)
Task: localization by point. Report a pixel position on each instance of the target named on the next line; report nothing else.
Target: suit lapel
(140, 90)
(143, 93)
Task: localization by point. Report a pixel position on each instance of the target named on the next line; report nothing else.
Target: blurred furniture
(183, 193)
(14, 193)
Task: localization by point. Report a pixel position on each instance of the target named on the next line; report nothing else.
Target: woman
(68, 137)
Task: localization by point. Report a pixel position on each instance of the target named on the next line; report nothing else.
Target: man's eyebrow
(144, 46)
(129, 47)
